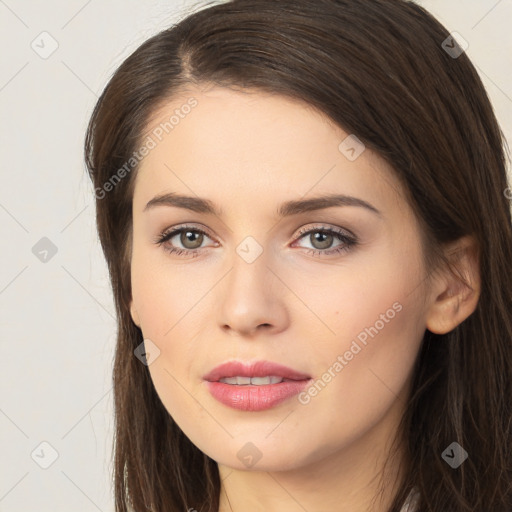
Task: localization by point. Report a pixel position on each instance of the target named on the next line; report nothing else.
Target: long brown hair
(380, 69)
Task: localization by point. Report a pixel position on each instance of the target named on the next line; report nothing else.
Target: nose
(252, 299)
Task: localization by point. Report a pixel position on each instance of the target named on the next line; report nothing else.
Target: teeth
(262, 381)
(255, 381)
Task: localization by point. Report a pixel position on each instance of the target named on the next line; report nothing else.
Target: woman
(303, 207)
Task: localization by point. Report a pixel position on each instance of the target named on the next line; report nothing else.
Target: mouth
(254, 387)
(252, 373)
(253, 381)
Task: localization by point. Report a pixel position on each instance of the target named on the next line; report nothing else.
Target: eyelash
(349, 241)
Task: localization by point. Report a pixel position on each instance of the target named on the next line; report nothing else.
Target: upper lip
(255, 369)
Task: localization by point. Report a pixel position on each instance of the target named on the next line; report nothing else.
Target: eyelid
(323, 227)
(171, 232)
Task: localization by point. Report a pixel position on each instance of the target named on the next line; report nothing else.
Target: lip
(256, 369)
(252, 397)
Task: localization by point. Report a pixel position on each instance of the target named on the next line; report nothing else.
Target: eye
(190, 238)
(322, 239)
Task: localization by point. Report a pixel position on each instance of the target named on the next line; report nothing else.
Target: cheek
(378, 321)
(172, 304)
(386, 308)
(375, 315)
(372, 295)
(362, 378)
(165, 294)
(167, 302)
(376, 339)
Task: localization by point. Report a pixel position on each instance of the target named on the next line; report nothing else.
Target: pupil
(188, 237)
(323, 239)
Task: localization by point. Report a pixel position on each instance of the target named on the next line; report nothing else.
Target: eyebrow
(286, 209)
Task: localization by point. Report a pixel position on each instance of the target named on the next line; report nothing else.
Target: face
(262, 271)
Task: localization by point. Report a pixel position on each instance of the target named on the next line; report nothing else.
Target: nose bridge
(250, 297)
(250, 272)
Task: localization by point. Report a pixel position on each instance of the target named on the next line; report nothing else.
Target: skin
(248, 152)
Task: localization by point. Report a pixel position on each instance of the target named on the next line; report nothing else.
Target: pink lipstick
(254, 387)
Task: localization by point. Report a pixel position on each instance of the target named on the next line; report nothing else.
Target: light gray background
(56, 317)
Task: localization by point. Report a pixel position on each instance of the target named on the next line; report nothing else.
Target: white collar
(411, 501)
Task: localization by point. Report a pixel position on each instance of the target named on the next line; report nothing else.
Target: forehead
(218, 142)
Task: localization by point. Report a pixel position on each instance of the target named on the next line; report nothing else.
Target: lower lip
(255, 398)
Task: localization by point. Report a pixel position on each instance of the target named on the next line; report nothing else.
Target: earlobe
(134, 314)
(455, 291)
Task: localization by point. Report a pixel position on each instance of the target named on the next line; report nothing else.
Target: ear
(455, 291)
(134, 314)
